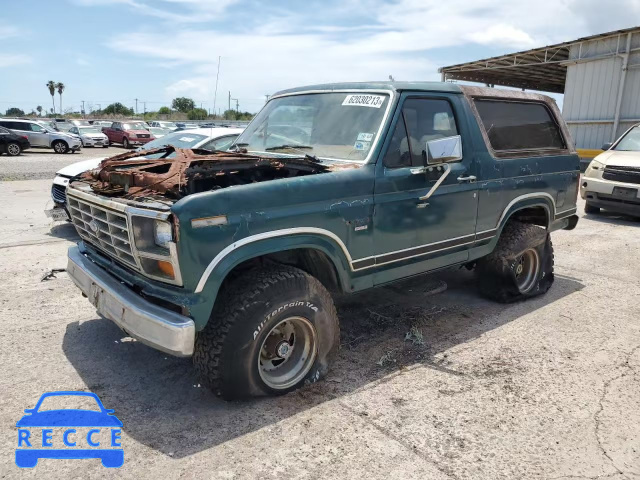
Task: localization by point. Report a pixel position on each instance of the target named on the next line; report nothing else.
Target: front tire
(521, 265)
(60, 146)
(270, 332)
(125, 142)
(588, 208)
(13, 149)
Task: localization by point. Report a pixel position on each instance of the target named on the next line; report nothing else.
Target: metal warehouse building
(599, 76)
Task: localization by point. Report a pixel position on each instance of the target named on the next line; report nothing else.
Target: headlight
(162, 233)
(154, 244)
(594, 169)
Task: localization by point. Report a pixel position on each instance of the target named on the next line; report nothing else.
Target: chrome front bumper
(155, 326)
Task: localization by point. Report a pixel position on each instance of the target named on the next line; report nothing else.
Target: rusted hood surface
(191, 172)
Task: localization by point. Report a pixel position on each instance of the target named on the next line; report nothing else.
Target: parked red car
(129, 134)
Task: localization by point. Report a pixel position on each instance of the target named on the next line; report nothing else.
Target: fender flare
(276, 241)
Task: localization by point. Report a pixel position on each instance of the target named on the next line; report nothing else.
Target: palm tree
(60, 87)
(51, 85)
(39, 109)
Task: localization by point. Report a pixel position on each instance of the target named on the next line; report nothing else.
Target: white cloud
(350, 40)
(503, 35)
(181, 11)
(9, 60)
(8, 31)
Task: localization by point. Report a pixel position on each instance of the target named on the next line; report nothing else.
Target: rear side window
(519, 125)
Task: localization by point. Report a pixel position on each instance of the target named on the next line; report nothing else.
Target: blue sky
(154, 50)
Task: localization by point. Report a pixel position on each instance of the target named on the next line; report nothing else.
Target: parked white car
(612, 179)
(90, 136)
(41, 135)
(163, 124)
(206, 138)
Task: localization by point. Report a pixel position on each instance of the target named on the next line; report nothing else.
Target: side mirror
(606, 146)
(448, 149)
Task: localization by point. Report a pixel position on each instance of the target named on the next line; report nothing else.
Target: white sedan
(90, 136)
(206, 138)
(612, 179)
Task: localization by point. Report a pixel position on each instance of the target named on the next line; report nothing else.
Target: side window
(519, 125)
(115, 126)
(222, 143)
(427, 119)
(36, 128)
(398, 154)
(22, 126)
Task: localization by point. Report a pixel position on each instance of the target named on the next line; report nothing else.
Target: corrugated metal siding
(591, 90)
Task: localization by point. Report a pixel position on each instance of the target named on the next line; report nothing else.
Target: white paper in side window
(187, 139)
(365, 137)
(360, 100)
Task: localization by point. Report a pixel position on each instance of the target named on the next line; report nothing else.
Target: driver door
(414, 234)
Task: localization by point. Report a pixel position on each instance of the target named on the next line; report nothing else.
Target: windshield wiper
(289, 147)
(295, 147)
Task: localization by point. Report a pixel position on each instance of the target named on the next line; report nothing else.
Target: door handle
(468, 178)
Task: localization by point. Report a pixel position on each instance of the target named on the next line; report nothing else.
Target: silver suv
(41, 135)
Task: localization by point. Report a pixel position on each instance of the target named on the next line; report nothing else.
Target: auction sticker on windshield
(374, 101)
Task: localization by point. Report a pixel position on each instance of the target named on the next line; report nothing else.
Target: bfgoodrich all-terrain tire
(271, 331)
(521, 265)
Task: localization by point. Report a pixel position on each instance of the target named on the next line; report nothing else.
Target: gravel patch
(37, 164)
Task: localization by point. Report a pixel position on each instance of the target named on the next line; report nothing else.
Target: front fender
(262, 244)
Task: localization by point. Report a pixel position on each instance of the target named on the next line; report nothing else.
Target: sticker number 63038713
(374, 101)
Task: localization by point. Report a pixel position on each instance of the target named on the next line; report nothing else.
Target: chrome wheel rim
(13, 149)
(59, 147)
(526, 270)
(287, 353)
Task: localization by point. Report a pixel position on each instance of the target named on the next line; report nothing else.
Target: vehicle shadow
(163, 406)
(64, 230)
(606, 216)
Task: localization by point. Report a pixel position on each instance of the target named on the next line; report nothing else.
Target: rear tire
(271, 331)
(13, 149)
(588, 208)
(521, 265)
(60, 146)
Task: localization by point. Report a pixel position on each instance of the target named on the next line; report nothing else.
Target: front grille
(622, 174)
(105, 229)
(143, 135)
(59, 193)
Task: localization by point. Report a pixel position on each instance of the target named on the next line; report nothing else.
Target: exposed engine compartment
(192, 171)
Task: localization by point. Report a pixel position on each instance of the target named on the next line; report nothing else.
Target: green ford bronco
(231, 257)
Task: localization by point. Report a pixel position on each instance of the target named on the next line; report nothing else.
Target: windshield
(341, 126)
(177, 139)
(89, 130)
(630, 142)
(167, 124)
(134, 126)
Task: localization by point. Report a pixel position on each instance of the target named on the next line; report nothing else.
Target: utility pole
(215, 93)
(145, 110)
(136, 105)
(237, 106)
(82, 108)
(229, 100)
(266, 98)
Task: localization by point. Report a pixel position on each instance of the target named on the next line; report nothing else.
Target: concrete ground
(546, 389)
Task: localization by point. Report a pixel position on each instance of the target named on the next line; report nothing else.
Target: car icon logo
(69, 433)
(93, 225)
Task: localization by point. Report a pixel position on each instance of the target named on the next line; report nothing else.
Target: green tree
(164, 111)
(39, 109)
(14, 112)
(197, 114)
(60, 87)
(117, 109)
(51, 85)
(183, 104)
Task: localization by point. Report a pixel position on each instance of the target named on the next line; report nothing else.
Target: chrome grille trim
(105, 228)
(59, 193)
